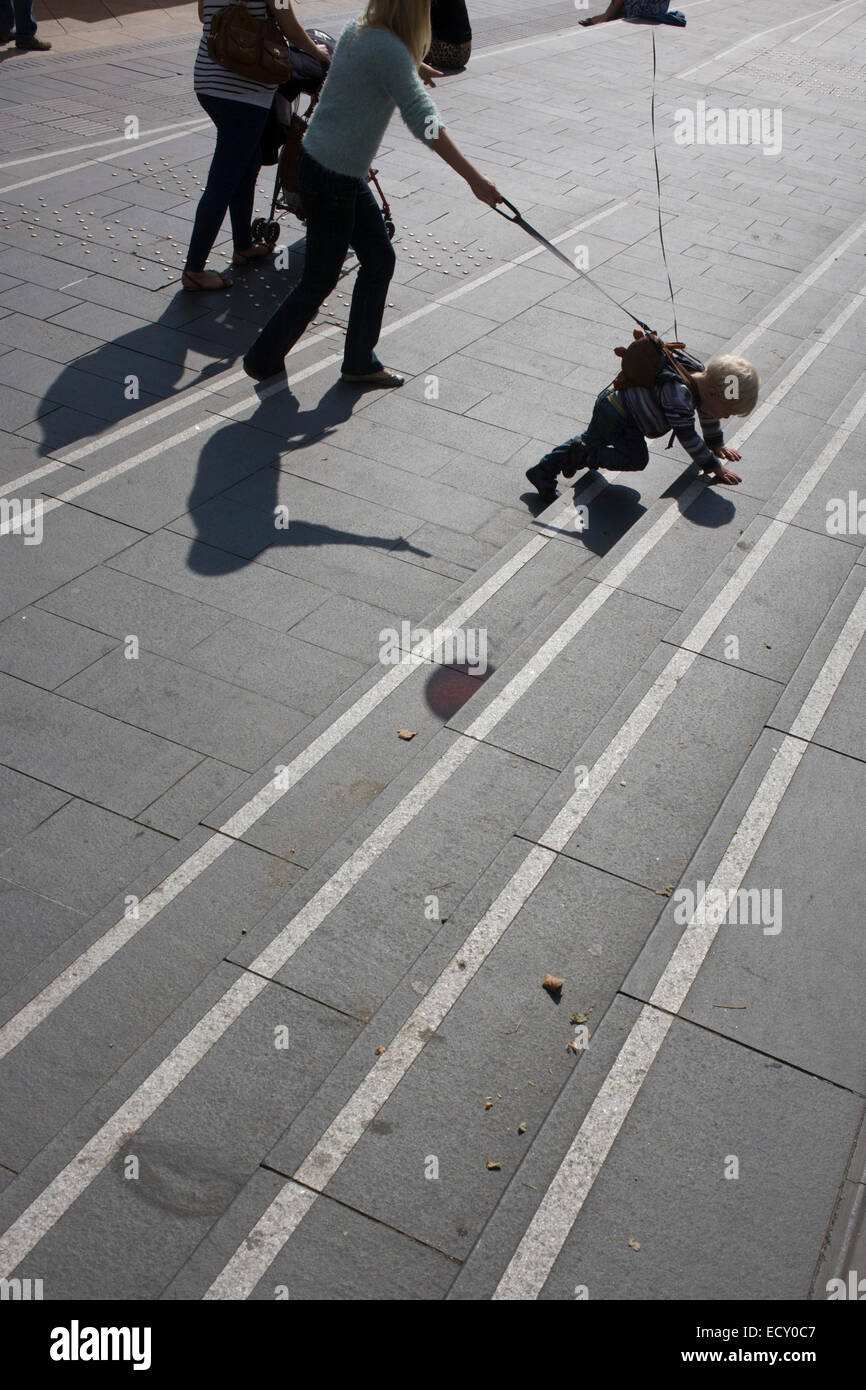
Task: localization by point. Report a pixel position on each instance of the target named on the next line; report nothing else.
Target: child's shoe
(542, 479)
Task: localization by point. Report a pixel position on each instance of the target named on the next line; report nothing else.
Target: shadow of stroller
(236, 519)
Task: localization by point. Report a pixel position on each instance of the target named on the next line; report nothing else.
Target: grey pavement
(324, 741)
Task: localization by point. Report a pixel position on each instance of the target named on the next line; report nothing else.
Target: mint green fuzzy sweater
(371, 75)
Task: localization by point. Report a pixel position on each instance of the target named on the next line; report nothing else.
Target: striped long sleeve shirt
(668, 405)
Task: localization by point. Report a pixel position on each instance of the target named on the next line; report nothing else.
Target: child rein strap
(520, 221)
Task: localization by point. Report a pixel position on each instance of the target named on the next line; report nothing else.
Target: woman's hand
(321, 52)
(426, 73)
(484, 189)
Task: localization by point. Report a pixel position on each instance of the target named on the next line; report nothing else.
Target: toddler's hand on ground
(724, 452)
(724, 475)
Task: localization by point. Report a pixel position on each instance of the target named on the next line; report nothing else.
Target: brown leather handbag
(252, 48)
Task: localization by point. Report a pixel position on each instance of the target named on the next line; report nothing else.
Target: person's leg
(241, 205)
(569, 456)
(376, 261)
(7, 21)
(25, 24)
(329, 203)
(614, 10)
(239, 126)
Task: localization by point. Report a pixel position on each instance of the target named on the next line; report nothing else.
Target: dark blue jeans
(17, 15)
(231, 180)
(613, 441)
(341, 213)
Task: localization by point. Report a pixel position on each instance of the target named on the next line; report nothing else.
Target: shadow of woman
(121, 379)
(238, 518)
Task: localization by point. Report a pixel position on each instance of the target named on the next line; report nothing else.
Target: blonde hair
(736, 381)
(408, 19)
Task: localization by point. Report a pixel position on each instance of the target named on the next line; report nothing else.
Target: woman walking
(452, 34)
(375, 70)
(239, 109)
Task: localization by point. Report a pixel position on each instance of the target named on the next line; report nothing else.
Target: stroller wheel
(271, 233)
(390, 228)
(258, 228)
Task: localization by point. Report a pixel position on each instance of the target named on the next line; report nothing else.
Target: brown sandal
(190, 281)
(257, 252)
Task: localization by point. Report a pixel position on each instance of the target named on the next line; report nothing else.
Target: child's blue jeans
(612, 440)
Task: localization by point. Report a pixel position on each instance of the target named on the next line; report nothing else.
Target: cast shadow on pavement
(235, 516)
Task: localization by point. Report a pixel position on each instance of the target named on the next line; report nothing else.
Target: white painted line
(95, 144)
(833, 15)
(135, 147)
(249, 1263)
(561, 1205)
(15, 484)
(753, 38)
(535, 1256)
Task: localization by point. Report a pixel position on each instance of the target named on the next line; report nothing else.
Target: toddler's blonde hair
(736, 380)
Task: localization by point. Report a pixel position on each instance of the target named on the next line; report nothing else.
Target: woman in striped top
(239, 109)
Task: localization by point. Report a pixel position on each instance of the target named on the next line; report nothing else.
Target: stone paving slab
(655, 809)
(801, 964)
(504, 1041)
(82, 856)
(203, 713)
(29, 572)
(377, 932)
(33, 926)
(337, 1254)
(841, 727)
(81, 1045)
(148, 1229)
(663, 1185)
(85, 752)
(46, 650)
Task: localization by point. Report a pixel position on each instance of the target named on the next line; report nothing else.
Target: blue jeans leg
(612, 440)
(231, 180)
(376, 261)
(341, 212)
(17, 15)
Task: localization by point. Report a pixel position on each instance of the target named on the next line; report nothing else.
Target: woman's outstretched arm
(481, 186)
